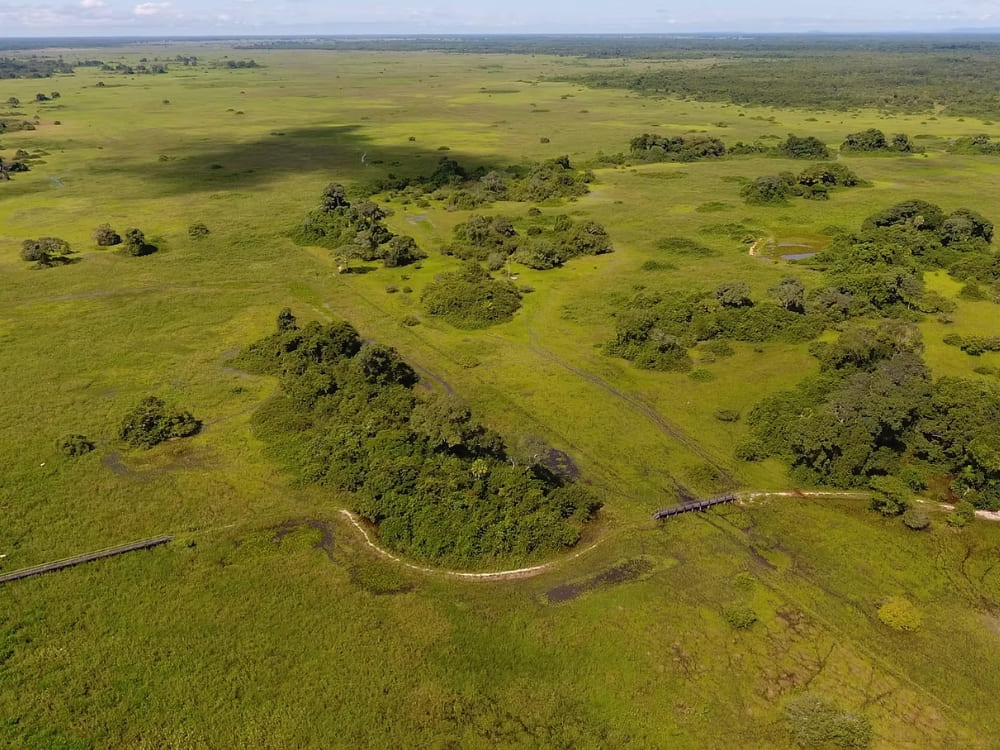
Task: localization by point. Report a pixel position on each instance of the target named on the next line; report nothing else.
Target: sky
(20, 18)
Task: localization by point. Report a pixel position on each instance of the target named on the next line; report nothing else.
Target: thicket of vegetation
(874, 140)
(812, 183)
(440, 486)
(466, 189)
(874, 416)
(32, 67)
(355, 231)
(46, 252)
(909, 76)
(470, 298)
(657, 148)
(545, 243)
(974, 144)
(151, 421)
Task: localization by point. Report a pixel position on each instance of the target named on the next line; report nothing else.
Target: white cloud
(89, 4)
(153, 9)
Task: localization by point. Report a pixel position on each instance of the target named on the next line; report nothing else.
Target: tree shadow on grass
(341, 152)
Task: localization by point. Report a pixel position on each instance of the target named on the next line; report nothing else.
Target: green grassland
(253, 629)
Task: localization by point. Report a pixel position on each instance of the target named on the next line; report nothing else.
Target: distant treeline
(32, 67)
(646, 46)
(962, 81)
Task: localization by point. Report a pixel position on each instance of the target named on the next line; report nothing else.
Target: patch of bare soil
(626, 572)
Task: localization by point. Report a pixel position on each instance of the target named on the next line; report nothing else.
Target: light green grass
(239, 641)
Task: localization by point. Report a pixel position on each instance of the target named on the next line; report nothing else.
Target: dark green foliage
(401, 251)
(150, 422)
(439, 485)
(469, 189)
(808, 147)
(105, 236)
(976, 144)
(655, 148)
(766, 190)
(727, 415)
(828, 174)
(916, 519)
(471, 298)
(31, 66)
(874, 140)
(46, 251)
(914, 213)
(734, 294)
(286, 321)
(495, 239)
(790, 294)
(136, 245)
(815, 722)
(74, 445)
(891, 496)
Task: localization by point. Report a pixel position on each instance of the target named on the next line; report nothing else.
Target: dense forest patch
(439, 485)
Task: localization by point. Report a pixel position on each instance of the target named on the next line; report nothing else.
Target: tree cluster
(874, 416)
(656, 331)
(975, 144)
(545, 244)
(813, 183)
(355, 231)
(465, 189)
(470, 298)
(657, 148)
(46, 252)
(439, 485)
(874, 140)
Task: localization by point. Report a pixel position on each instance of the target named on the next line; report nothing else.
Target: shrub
(411, 320)
(741, 618)
(74, 445)
(900, 614)
(815, 722)
(198, 230)
(105, 236)
(136, 245)
(727, 415)
(916, 519)
(471, 298)
(150, 422)
(391, 289)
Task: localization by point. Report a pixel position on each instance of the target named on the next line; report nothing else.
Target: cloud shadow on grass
(342, 153)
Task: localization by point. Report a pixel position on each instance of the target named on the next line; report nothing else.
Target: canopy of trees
(46, 252)
(546, 243)
(654, 148)
(874, 140)
(355, 231)
(151, 421)
(439, 485)
(469, 189)
(813, 183)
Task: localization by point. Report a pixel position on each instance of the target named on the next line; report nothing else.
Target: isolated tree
(150, 422)
(286, 320)
(734, 294)
(402, 250)
(135, 243)
(13, 102)
(790, 293)
(105, 236)
(41, 97)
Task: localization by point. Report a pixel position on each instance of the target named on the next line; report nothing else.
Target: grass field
(254, 628)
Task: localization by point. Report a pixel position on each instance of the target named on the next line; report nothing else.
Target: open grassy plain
(269, 623)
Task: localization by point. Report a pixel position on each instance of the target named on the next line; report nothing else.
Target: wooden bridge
(69, 562)
(695, 505)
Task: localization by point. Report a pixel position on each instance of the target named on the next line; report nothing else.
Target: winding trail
(500, 575)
